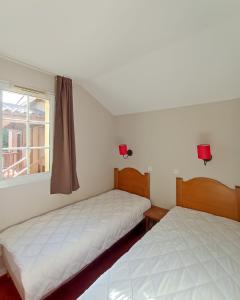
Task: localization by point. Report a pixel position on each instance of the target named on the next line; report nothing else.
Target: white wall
(167, 139)
(94, 147)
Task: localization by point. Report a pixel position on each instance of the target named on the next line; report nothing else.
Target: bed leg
(146, 224)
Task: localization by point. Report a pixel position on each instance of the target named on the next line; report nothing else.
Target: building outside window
(24, 134)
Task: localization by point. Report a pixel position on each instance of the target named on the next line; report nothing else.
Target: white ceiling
(132, 55)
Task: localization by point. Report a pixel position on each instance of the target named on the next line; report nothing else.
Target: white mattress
(189, 255)
(45, 251)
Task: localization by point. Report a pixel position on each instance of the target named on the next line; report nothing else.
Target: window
(24, 134)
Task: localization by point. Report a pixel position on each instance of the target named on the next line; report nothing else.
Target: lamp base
(129, 152)
(207, 160)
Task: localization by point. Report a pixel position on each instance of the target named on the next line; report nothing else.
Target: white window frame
(29, 178)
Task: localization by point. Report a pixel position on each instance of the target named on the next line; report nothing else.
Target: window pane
(14, 163)
(39, 160)
(39, 135)
(25, 124)
(38, 109)
(14, 105)
(13, 134)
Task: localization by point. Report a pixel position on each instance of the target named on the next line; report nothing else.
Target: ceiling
(132, 55)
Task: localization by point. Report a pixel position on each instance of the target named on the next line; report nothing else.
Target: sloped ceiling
(132, 55)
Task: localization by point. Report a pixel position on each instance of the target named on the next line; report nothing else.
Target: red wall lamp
(204, 153)
(124, 151)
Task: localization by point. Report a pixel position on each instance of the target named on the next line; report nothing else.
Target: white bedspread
(189, 255)
(47, 250)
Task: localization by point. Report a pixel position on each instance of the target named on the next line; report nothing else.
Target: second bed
(191, 254)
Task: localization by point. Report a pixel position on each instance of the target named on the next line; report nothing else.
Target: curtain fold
(64, 174)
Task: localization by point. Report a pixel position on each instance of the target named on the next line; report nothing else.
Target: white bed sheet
(45, 251)
(189, 255)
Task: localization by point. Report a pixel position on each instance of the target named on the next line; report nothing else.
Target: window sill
(26, 179)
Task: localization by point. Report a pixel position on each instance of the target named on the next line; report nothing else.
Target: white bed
(189, 255)
(44, 252)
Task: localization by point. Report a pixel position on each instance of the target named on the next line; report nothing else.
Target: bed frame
(132, 181)
(210, 196)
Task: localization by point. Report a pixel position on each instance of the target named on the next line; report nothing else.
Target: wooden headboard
(132, 181)
(210, 196)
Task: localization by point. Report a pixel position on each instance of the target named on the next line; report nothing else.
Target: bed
(192, 253)
(46, 251)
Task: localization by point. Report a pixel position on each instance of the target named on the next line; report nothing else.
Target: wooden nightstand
(154, 215)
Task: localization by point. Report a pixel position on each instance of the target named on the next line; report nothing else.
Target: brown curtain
(64, 175)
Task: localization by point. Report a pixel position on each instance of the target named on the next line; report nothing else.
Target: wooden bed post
(237, 189)
(179, 184)
(148, 185)
(115, 178)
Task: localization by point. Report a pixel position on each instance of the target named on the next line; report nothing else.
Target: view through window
(25, 133)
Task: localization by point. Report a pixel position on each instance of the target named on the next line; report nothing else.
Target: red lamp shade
(123, 149)
(204, 152)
